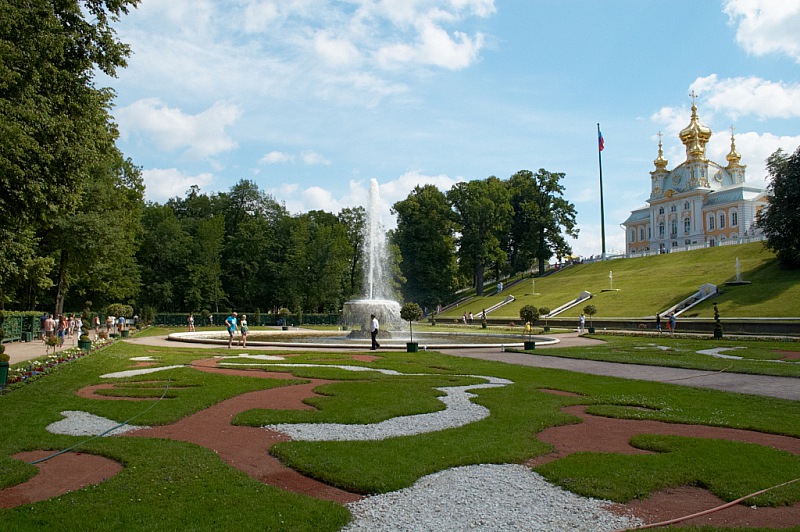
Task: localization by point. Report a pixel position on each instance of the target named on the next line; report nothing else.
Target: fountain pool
(297, 338)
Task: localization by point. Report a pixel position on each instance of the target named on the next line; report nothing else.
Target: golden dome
(695, 136)
(660, 161)
(733, 157)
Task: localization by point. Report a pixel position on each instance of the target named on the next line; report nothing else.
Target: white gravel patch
(253, 357)
(79, 423)
(717, 352)
(142, 359)
(484, 497)
(135, 372)
(459, 411)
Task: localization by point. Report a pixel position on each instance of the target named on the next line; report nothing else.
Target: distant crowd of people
(65, 326)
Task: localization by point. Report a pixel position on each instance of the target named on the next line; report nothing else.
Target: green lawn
(757, 357)
(647, 285)
(169, 485)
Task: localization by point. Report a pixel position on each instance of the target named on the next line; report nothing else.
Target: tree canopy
(425, 236)
(781, 217)
(56, 136)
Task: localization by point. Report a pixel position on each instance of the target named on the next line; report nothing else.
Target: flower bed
(33, 369)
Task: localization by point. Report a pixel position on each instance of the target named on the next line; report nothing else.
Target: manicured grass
(651, 284)
(728, 469)
(175, 485)
(758, 357)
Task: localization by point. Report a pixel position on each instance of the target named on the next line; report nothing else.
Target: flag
(600, 141)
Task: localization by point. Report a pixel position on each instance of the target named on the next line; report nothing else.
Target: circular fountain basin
(311, 339)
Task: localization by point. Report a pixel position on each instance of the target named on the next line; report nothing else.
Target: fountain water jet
(738, 280)
(377, 282)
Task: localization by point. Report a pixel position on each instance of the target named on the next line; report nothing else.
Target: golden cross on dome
(732, 128)
(693, 95)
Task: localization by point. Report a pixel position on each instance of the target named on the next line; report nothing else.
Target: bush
(590, 310)
(411, 312)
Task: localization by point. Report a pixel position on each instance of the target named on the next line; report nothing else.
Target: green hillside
(651, 284)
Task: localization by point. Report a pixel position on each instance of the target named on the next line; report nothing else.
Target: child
(244, 330)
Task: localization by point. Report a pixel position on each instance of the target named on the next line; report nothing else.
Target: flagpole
(602, 212)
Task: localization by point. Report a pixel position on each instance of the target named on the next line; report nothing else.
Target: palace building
(699, 203)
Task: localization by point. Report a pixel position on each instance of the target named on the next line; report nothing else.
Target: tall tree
(482, 215)
(250, 254)
(53, 121)
(781, 217)
(163, 257)
(541, 219)
(204, 271)
(551, 216)
(354, 220)
(97, 244)
(425, 236)
(522, 243)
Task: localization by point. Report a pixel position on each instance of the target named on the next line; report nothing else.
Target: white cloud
(590, 241)
(299, 200)
(398, 189)
(435, 47)
(313, 158)
(754, 148)
(163, 184)
(275, 157)
(283, 48)
(766, 26)
(258, 16)
(751, 95)
(318, 198)
(672, 121)
(336, 52)
(199, 136)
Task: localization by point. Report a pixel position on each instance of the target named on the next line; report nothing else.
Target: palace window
(722, 221)
(661, 230)
(649, 233)
(660, 211)
(711, 223)
(734, 219)
(673, 208)
(633, 235)
(641, 234)
(674, 228)
(686, 206)
(687, 225)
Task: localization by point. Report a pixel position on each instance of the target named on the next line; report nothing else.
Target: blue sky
(313, 98)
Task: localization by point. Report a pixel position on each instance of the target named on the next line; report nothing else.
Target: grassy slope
(650, 284)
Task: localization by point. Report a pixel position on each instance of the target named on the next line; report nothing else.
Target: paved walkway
(781, 387)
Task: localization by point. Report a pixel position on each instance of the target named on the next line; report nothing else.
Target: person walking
(191, 322)
(672, 323)
(230, 322)
(374, 326)
(49, 327)
(658, 323)
(243, 328)
(63, 325)
(581, 323)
